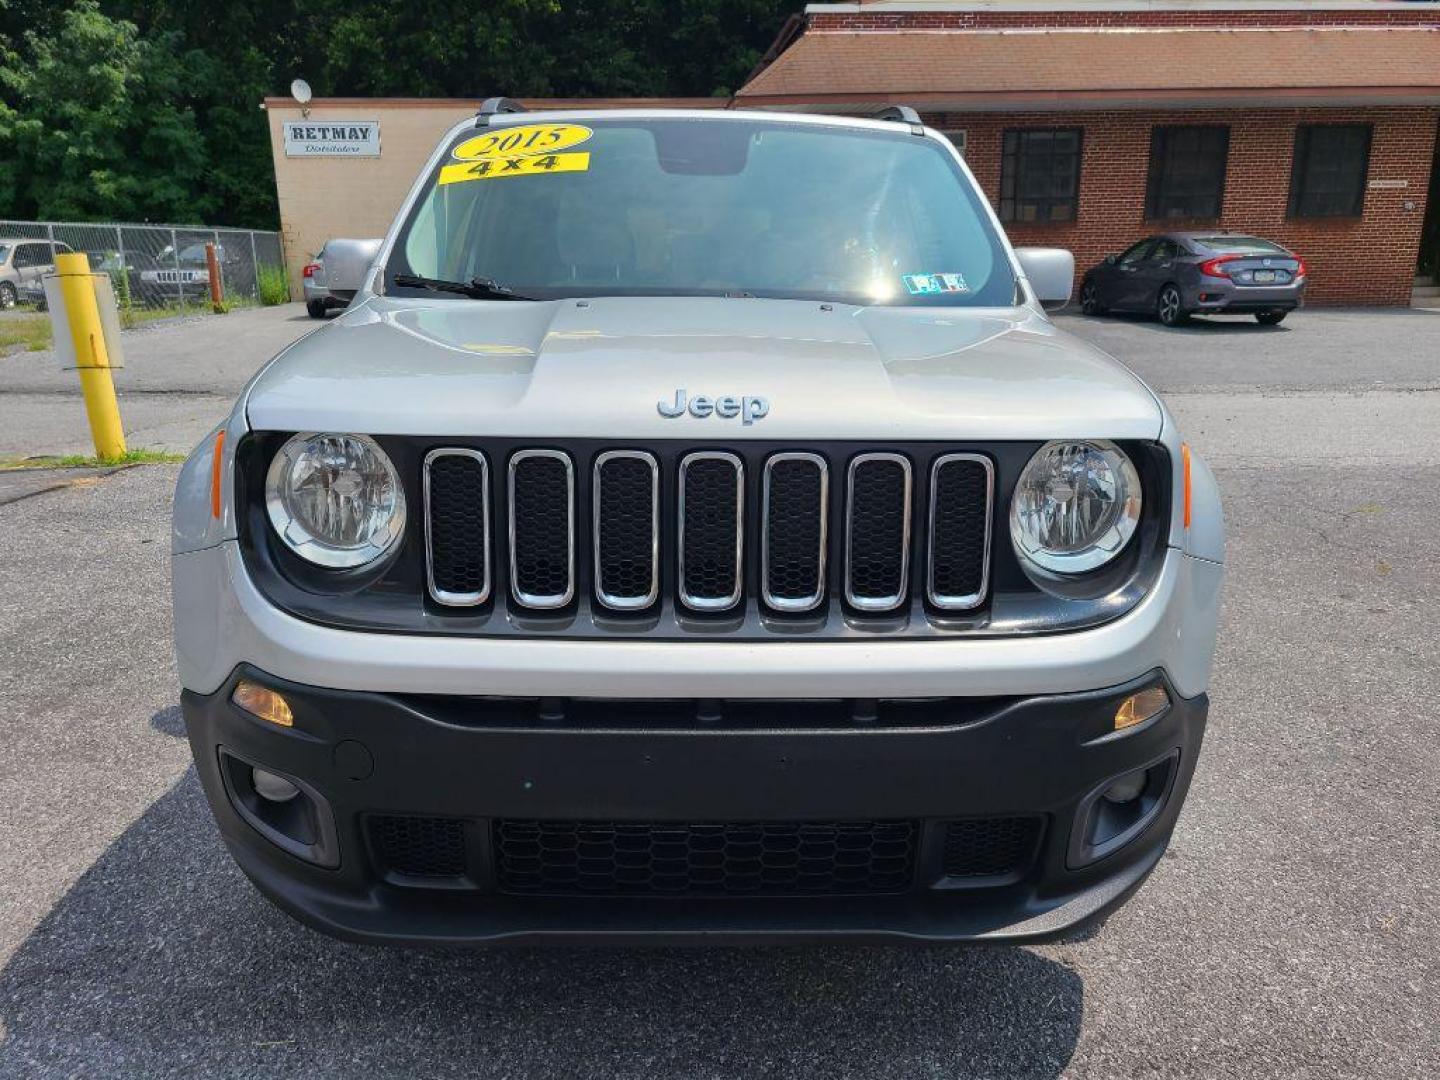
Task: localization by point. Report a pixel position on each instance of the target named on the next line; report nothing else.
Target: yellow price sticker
(522, 141)
(493, 168)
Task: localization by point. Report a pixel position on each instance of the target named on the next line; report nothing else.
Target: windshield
(1240, 245)
(709, 208)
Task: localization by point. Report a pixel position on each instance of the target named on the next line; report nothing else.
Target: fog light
(1137, 708)
(1126, 789)
(273, 788)
(263, 702)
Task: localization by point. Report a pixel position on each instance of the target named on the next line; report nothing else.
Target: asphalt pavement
(180, 377)
(1289, 932)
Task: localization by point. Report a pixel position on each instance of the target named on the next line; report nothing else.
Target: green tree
(150, 108)
(91, 125)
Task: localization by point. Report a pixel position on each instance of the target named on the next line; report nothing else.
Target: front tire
(8, 296)
(1270, 318)
(1090, 299)
(1170, 307)
(315, 308)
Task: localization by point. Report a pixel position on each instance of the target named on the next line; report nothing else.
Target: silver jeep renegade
(696, 530)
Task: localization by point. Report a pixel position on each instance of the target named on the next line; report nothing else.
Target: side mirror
(1051, 273)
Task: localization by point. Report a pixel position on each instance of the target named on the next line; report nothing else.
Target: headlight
(1075, 507)
(335, 500)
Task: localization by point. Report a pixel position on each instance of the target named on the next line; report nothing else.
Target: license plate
(175, 277)
(1264, 275)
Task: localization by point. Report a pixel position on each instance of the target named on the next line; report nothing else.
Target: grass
(139, 316)
(274, 285)
(83, 461)
(32, 331)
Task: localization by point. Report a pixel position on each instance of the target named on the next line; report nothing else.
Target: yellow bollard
(83, 312)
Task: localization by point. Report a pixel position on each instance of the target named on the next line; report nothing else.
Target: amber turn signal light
(1137, 708)
(263, 702)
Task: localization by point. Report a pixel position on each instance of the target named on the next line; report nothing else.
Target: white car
(696, 530)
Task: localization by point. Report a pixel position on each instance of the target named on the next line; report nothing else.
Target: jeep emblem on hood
(749, 409)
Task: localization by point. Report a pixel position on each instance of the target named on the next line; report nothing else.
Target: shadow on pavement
(164, 960)
(1199, 324)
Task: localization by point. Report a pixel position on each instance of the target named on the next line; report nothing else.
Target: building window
(957, 138)
(1187, 172)
(1040, 174)
(1328, 176)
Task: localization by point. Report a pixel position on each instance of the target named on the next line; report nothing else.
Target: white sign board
(332, 138)
(64, 343)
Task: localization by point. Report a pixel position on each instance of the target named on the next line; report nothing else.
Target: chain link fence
(150, 265)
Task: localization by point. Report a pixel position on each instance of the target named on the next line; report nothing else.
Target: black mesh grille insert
(990, 847)
(625, 493)
(879, 531)
(721, 859)
(457, 528)
(794, 532)
(710, 521)
(541, 510)
(959, 524)
(425, 847)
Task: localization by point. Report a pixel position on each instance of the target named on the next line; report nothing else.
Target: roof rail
(902, 114)
(495, 105)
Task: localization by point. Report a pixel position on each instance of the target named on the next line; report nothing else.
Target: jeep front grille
(542, 528)
(795, 514)
(668, 528)
(457, 527)
(626, 519)
(877, 531)
(712, 530)
(961, 490)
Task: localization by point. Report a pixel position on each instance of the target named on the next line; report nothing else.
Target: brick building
(1093, 122)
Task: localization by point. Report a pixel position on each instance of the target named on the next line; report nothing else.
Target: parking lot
(1288, 932)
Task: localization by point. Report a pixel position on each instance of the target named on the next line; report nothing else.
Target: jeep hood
(598, 368)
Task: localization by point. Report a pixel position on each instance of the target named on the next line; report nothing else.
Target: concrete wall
(324, 197)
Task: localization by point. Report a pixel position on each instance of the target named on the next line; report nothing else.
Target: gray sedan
(1176, 275)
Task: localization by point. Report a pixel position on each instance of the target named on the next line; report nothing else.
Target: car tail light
(1215, 267)
(1299, 267)
(309, 270)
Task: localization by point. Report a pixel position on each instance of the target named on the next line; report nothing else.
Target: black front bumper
(359, 756)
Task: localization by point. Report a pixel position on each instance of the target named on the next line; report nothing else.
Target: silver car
(1176, 275)
(696, 530)
(23, 266)
(335, 276)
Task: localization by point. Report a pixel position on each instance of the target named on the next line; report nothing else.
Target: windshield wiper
(476, 288)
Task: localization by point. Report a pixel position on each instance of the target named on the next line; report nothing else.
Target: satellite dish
(300, 91)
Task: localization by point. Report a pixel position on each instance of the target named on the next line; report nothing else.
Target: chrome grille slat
(626, 526)
(792, 547)
(877, 531)
(711, 509)
(456, 484)
(793, 536)
(542, 536)
(962, 497)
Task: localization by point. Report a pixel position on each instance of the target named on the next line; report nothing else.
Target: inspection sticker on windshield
(929, 284)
